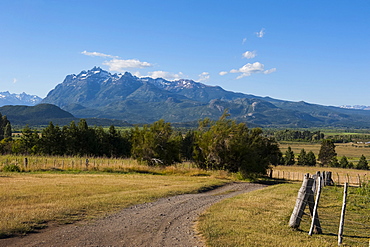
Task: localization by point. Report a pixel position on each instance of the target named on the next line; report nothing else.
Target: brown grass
(29, 201)
(350, 150)
(260, 218)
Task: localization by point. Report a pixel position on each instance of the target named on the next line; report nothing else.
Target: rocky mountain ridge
(97, 93)
(7, 98)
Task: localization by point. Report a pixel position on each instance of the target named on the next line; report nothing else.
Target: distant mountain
(43, 114)
(40, 114)
(7, 98)
(357, 107)
(97, 93)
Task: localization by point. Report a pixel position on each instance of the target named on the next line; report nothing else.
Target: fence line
(339, 179)
(354, 230)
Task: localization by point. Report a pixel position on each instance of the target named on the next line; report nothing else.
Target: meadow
(64, 190)
(260, 218)
(352, 151)
(30, 201)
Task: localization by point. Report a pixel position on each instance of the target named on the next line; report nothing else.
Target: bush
(11, 168)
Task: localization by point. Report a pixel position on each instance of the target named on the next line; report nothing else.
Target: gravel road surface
(165, 222)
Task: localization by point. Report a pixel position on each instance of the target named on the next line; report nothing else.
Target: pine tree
(302, 158)
(363, 164)
(310, 159)
(344, 162)
(289, 157)
(327, 152)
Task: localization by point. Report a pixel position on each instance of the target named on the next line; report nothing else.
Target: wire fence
(356, 226)
(338, 178)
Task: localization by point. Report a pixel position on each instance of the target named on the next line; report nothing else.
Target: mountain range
(7, 98)
(98, 94)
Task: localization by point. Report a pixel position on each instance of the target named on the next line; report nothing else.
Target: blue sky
(315, 51)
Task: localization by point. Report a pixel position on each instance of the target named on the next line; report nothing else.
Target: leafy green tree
(362, 164)
(344, 162)
(8, 130)
(5, 127)
(351, 165)
(29, 142)
(302, 158)
(226, 145)
(52, 141)
(327, 152)
(187, 145)
(155, 144)
(310, 159)
(289, 157)
(334, 162)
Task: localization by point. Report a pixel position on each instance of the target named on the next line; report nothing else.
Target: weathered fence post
(359, 180)
(25, 163)
(341, 224)
(303, 194)
(315, 224)
(328, 180)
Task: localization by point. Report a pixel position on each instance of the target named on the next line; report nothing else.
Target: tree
(155, 145)
(310, 159)
(327, 152)
(29, 141)
(52, 141)
(187, 145)
(5, 127)
(302, 158)
(289, 157)
(362, 164)
(344, 162)
(227, 145)
(334, 162)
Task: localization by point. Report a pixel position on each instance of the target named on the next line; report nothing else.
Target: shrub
(11, 168)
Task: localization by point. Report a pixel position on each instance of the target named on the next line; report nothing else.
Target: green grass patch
(260, 218)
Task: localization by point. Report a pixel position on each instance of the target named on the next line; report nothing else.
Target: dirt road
(165, 222)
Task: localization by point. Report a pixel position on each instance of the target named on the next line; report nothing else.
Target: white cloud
(269, 71)
(137, 74)
(15, 80)
(249, 54)
(97, 54)
(223, 73)
(165, 75)
(261, 33)
(204, 76)
(120, 65)
(244, 40)
(252, 68)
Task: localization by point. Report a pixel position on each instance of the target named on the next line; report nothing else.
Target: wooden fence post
(303, 194)
(359, 180)
(315, 224)
(341, 224)
(25, 163)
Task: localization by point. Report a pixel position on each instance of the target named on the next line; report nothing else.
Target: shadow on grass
(270, 181)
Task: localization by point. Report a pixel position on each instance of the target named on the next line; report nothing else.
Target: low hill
(40, 114)
(43, 114)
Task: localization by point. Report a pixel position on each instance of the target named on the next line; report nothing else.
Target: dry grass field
(260, 218)
(351, 150)
(32, 200)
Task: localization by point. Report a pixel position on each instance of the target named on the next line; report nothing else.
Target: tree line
(327, 157)
(223, 144)
(296, 135)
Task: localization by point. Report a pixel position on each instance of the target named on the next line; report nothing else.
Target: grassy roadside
(260, 218)
(30, 201)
